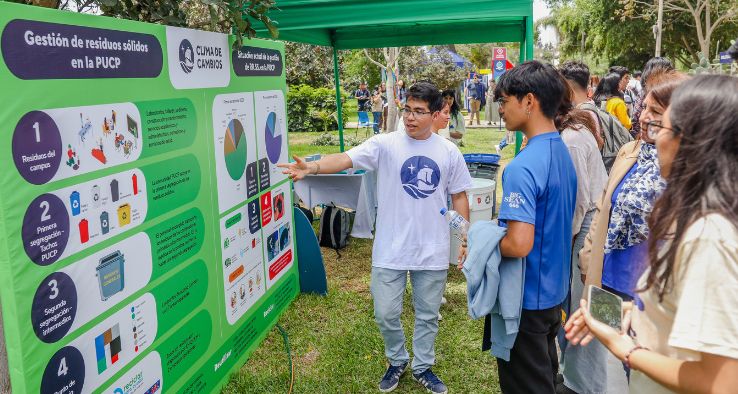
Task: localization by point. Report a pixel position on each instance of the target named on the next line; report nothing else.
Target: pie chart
(273, 138)
(234, 149)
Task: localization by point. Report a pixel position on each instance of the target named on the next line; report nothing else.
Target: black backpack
(334, 228)
(308, 213)
(612, 131)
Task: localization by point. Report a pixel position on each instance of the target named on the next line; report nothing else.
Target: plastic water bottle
(456, 222)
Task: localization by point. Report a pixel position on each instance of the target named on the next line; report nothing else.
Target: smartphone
(606, 307)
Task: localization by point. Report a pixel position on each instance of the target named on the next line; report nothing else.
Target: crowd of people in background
(626, 183)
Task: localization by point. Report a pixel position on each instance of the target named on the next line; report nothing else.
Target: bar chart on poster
(149, 241)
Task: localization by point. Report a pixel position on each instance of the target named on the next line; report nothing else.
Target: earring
(527, 112)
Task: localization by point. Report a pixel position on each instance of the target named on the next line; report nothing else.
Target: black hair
(733, 51)
(607, 88)
(620, 70)
(576, 72)
(455, 106)
(428, 92)
(540, 79)
(655, 64)
(637, 74)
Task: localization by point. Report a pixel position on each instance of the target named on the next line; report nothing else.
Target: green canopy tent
(355, 24)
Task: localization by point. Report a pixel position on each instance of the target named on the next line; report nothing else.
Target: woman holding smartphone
(684, 335)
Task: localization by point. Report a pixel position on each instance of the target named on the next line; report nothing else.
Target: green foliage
(417, 64)
(330, 139)
(621, 32)
(311, 64)
(225, 16)
(311, 109)
(358, 68)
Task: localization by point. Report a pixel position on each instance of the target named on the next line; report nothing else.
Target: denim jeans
(584, 367)
(388, 288)
(377, 120)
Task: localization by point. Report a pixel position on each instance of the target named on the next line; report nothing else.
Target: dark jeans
(377, 120)
(533, 364)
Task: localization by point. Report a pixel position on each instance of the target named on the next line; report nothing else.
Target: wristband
(626, 359)
(317, 168)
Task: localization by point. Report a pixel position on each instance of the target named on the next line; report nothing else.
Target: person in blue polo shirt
(539, 194)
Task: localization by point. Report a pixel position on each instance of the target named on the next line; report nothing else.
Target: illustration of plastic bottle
(74, 202)
(456, 222)
(134, 179)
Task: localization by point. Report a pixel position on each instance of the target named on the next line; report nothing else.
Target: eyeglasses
(654, 127)
(501, 101)
(415, 114)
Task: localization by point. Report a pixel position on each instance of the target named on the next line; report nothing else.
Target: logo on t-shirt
(420, 176)
(515, 200)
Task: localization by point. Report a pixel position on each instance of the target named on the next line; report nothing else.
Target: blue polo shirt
(539, 187)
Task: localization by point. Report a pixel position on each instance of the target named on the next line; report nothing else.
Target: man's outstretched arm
(330, 164)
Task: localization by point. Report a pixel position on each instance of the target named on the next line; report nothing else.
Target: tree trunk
(392, 55)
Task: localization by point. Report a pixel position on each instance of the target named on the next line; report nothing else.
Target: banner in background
(148, 235)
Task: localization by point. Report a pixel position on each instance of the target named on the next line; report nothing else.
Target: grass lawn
(335, 343)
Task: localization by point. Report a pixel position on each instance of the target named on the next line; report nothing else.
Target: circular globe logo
(420, 176)
(186, 56)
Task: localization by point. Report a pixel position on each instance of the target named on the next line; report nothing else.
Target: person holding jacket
(683, 336)
(539, 192)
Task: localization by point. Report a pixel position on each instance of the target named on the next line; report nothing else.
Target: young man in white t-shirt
(416, 172)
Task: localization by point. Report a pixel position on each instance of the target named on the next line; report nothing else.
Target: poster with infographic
(271, 131)
(149, 241)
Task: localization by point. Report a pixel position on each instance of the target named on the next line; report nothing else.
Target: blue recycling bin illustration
(110, 274)
(74, 203)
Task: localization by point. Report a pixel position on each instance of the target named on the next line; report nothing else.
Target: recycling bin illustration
(104, 222)
(74, 203)
(110, 274)
(96, 196)
(124, 215)
(84, 231)
(114, 192)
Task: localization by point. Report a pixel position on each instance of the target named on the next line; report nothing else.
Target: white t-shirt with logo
(414, 180)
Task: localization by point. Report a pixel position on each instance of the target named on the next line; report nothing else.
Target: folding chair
(364, 122)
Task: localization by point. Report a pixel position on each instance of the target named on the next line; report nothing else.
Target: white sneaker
(443, 300)
(497, 148)
(439, 316)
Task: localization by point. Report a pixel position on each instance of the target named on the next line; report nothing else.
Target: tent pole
(523, 57)
(529, 38)
(339, 105)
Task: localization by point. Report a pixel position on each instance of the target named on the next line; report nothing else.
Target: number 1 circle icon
(37, 147)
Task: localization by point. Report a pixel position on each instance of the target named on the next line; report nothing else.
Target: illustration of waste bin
(104, 222)
(110, 274)
(96, 196)
(74, 203)
(84, 231)
(124, 215)
(114, 192)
